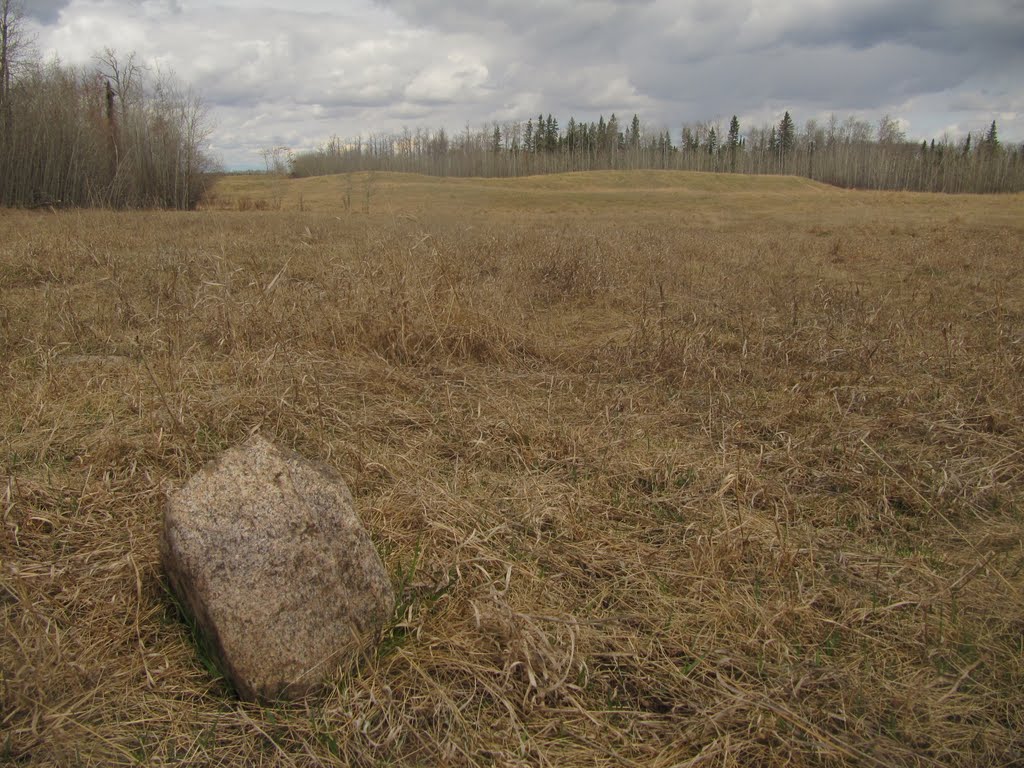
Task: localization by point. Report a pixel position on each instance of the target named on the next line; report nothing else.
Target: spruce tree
(614, 135)
(992, 138)
(733, 139)
(712, 145)
(689, 139)
(551, 134)
(787, 134)
(732, 142)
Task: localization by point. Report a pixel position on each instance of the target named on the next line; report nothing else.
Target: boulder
(265, 551)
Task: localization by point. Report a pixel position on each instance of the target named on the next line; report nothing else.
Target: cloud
(937, 25)
(44, 11)
(459, 77)
(299, 73)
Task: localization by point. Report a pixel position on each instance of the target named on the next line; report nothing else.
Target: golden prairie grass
(668, 469)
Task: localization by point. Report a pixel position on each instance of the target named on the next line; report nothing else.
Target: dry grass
(669, 469)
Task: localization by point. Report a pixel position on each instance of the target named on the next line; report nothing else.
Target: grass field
(669, 469)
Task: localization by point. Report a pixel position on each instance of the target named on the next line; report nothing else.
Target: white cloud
(459, 77)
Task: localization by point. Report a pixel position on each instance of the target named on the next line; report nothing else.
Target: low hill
(715, 198)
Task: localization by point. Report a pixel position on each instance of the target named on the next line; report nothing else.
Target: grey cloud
(48, 11)
(599, 27)
(45, 11)
(820, 76)
(929, 24)
(406, 111)
(541, 25)
(300, 74)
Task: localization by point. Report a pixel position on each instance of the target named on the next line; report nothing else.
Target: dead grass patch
(677, 485)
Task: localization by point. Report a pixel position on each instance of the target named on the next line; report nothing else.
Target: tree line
(113, 134)
(847, 153)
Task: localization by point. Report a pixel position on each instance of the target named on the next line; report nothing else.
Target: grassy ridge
(641, 196)
(667, 467)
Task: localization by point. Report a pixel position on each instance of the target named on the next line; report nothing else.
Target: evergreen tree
(967, 145)
(528, 136)
(787, 134)
(634, 131)
(733, 139)
(551, 135)
(539, 134)
(712, 145)
(615, 140)
(992, 138)
(732, 142)
(688, 139)
(496, 140)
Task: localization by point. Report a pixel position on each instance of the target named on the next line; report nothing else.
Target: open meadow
(669, 469)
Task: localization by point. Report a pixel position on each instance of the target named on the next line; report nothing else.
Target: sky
(296, 73)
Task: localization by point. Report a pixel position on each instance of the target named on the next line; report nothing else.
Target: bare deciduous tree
(15, 47)
(113, 135)
(126, 75)
(276, 159)
(890, 131)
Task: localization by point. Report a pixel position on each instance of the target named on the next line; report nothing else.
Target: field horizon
(668, 468)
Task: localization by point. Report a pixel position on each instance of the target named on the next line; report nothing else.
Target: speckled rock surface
(266, 552)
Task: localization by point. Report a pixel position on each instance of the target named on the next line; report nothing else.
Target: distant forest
(846, 153)
(118, 134)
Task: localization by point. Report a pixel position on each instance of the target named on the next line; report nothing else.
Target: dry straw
(668, 470)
